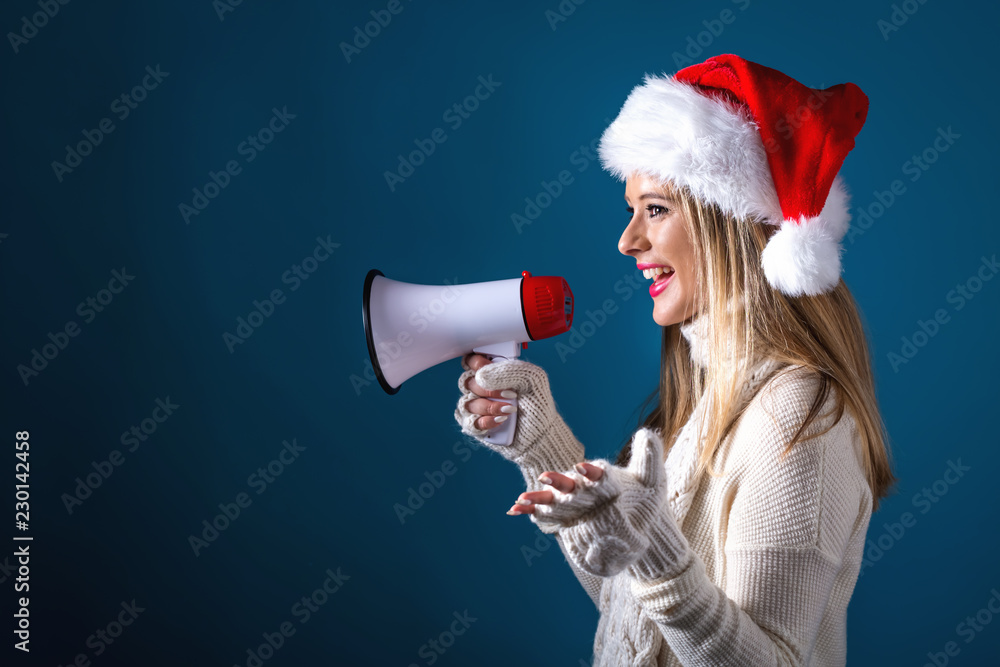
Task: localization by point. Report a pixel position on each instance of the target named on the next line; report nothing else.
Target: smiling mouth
(660, 284)
(657, 272)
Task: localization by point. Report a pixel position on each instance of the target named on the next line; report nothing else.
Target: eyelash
(649, 208)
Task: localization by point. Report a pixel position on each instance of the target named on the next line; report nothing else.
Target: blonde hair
(749, 318)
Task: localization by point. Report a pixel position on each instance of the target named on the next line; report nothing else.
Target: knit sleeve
(591, 584)
(559, 450)
(787, 531)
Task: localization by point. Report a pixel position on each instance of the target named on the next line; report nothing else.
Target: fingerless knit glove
(621, 520)
(542, 440)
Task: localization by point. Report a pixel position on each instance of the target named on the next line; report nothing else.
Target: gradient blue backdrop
(323, 177)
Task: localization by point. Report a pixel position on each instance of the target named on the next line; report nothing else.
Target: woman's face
(656, 236)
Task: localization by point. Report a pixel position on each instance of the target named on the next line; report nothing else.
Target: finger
(536, 497)
(558, 481)
(486, 406)
(521, 509)
(475, 361)
(590, 471)
(487, 422)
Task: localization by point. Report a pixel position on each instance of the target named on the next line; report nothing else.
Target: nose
(633, 240)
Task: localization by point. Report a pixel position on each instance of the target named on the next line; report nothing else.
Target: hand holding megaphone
(491, 407)
(411, 327)
(482, 385)
(500, 410)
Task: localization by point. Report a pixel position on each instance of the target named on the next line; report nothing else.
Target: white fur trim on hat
(673, 132)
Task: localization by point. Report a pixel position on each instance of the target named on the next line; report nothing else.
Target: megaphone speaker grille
(548, 306)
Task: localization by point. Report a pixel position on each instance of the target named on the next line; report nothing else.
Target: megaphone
(412, 327)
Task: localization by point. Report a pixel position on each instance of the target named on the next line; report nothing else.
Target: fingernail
(544, 479)
(509, 409)
(580, 469)
(500, 419)
(508, 393)
(522, 501)
(512, 512)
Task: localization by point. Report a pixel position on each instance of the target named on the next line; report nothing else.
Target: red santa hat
(756, 143)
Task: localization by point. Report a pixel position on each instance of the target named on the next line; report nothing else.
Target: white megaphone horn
(412, 327)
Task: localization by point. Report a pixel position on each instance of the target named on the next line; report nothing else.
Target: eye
(654, 210)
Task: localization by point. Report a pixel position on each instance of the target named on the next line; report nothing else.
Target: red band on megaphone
(547, 303)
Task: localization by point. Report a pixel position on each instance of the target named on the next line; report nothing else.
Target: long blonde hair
(823, 333)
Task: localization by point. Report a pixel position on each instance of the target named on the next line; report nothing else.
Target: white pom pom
(803, 257)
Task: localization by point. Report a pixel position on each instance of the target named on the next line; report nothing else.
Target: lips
(660, 284)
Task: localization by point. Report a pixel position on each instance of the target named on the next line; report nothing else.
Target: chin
(666, 317)
(671, 312)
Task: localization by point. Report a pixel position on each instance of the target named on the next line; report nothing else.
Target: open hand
(525, 503)
(603, 511)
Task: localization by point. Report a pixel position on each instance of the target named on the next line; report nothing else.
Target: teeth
(652, 273)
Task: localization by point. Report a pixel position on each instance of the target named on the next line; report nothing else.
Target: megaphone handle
(504, 433)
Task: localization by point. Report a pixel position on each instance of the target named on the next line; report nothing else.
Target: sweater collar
(682, 460)
(698, 335)
(695, 331)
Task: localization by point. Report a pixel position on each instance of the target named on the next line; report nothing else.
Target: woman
(730, 530)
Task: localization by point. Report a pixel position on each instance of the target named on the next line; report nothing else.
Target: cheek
(659, 238)
(684, 267)
(682, 253)
(671, 239)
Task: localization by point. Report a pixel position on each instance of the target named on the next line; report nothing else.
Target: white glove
(621, 520)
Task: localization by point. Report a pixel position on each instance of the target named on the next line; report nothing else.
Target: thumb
(646, 462)
(521, 376)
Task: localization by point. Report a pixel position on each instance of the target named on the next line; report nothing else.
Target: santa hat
(755, 142)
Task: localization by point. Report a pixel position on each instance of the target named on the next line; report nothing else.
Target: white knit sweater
(775, 547)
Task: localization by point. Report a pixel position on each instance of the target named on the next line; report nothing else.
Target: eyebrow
(653, 195)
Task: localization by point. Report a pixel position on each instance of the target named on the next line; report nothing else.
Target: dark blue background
(323, 176)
